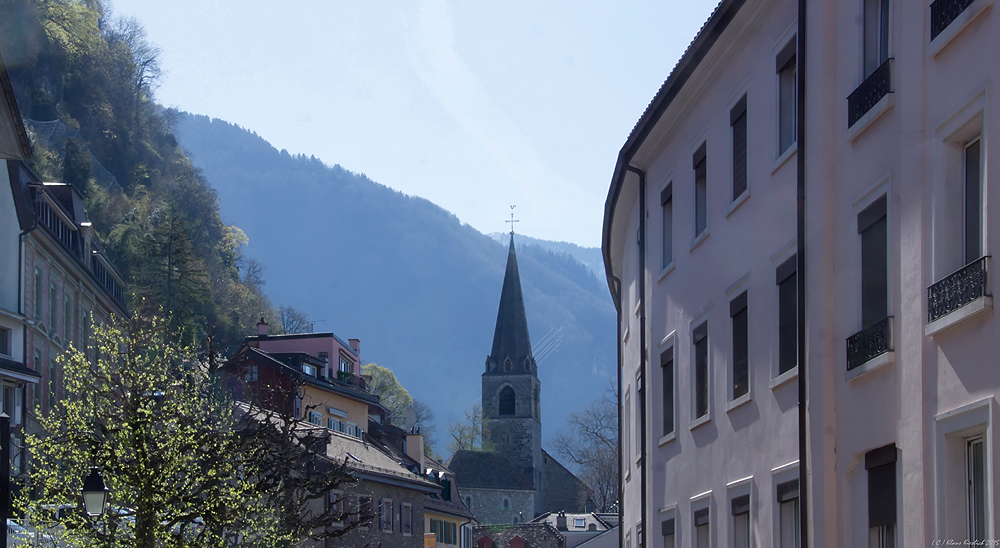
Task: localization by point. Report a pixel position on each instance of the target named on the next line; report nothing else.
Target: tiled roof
(445, 507)
(486, 470)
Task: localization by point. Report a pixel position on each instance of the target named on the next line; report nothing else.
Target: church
(517, 480)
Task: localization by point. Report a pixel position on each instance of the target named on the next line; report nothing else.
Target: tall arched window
(507, 401)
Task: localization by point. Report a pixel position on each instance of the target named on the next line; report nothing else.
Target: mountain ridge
(415, 284)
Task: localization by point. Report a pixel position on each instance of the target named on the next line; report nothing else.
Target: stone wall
(487, 505)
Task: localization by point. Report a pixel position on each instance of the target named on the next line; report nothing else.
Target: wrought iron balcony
(944, 12)
(957, 290)
(869, 343)
(868, 94)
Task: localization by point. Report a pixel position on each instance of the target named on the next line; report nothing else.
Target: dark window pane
(700, 198)
(739, 125)
(701, 374)
(788, 337)
(668, 229)
(973, 207)
(740, 357)
(507, 401)
(874, 278)
(667, 363)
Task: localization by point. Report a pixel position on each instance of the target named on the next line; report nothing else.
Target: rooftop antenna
(512, 220)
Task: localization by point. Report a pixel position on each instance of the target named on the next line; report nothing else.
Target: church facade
(517, 480)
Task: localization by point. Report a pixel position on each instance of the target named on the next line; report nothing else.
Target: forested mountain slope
(418, 287)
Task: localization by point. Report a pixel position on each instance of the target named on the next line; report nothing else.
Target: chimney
(415, 447)
(262, 327)
(355, 345)
(561, 521)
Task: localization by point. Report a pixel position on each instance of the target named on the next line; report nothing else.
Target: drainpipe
(640, 391)
(800, 268)
(621, 476)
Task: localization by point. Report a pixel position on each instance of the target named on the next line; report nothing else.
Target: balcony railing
(944, 12)
(957, 290)
(868, 94)
(869, 343)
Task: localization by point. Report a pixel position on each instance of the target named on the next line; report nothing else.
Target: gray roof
(510, 338)
(486, 470)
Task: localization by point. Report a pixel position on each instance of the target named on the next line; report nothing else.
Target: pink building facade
(877, 308)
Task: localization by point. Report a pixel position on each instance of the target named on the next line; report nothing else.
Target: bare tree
(424, 420)
(592, 445)
(294, 321)
(470, 433)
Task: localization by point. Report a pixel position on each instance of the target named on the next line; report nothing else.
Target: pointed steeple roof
(510, 339)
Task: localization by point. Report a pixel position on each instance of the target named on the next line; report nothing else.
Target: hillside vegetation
(84, 82)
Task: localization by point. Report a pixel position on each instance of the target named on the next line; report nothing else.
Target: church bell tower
(510, 383)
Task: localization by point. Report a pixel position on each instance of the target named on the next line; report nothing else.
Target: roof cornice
(679, 76)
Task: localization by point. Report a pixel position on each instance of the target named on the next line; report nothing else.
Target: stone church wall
(487, 505)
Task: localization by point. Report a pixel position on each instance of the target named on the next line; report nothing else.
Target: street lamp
(95, 493)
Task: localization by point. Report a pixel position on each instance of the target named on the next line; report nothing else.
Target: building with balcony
(833, 354)
(16, 375)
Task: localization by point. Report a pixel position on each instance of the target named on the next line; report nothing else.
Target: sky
(475, 106)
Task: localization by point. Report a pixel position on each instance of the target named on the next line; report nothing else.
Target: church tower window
(507, 401)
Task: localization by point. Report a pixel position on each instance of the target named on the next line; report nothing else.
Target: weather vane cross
(512, 220)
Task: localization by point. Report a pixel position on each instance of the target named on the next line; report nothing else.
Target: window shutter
(667, 527)
(701, 517)
(667, 194)
(788, 491)
(701, 369)
(973, 207)
(881, 466)
(872, 225)
(740, 505)
(738, 121)
(667, 363)
(699, 156)
(785, 57)
(738, 312)
(788, 322)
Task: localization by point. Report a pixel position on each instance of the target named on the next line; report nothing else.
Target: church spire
(510, 339)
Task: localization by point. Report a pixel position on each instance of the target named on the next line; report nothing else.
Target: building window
(345, 365)
(53, 308)
(738, 124)
(38, 384)
(251, 374)
(881, 466)
(38, 294)
(700, 191)
(506, 503)
(366, 511)
(788, 514)
(626, 435)
(667, 365)
(468, 502)
(5, 341)
(700, 340)
(741, 359)
(315, 418)
(667, 204)
(53, 385)
(701, 528)
(667, 530)
(335, 507)
(507, 402)
(788, 315)
(876, 39)
(579, 523)
(973, 201)
(785, 66)
(872, 226)
(976, 480)
(385, 515)
(741, 521)
(406, 518)
(67, 316)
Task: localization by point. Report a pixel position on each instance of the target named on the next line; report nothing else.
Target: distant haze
(418, 287)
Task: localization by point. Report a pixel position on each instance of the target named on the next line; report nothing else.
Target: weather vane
(512, 220)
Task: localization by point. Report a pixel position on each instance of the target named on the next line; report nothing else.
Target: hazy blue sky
(472, 105)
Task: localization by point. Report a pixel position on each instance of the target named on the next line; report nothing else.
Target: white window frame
(335, 503)
(734, 490)
(406, 519)
(697, 321)
(743, 91)
(952, 430)
(385, 516)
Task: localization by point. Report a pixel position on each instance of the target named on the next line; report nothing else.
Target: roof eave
(679, 76)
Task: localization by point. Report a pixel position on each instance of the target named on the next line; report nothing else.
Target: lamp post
(95, 493)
